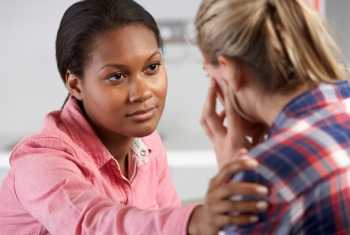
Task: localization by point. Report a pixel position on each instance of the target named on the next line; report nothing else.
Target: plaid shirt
(305, 163)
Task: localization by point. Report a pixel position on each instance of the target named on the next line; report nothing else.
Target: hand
(219, 210)
(237, 133)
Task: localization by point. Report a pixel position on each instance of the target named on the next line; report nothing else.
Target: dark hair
(85, 20)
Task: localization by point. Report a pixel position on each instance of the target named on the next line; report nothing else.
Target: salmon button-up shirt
(64, 181)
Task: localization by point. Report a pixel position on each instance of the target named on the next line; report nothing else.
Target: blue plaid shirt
(305, 162)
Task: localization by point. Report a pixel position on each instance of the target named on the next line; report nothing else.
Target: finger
(224, 220)
(243, 152)
(234, 208)
(244, 219)
(238, 188)
(228, 106)
(206, 128)
(222, 116)
(209, 114)
(220, 92)
(231, 168)
(227, 172)
(205, 113)
(210, 104)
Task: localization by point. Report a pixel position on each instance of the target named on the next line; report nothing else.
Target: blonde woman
(274, 64)
(98, 166)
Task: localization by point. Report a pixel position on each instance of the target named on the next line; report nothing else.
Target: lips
(142, 114)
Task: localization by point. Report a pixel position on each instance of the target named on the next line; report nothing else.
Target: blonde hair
(284, 42)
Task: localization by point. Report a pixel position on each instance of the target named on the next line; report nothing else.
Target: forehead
(124, 43)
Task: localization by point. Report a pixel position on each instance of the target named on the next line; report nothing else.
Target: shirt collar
(85, 137)
(311, 101)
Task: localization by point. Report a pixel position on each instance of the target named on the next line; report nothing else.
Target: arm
(56, 192)
(208, 218)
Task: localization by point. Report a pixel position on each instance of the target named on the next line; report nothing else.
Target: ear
(74, 85)
(231, 71)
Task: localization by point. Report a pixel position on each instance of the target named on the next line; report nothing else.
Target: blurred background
(30, 85)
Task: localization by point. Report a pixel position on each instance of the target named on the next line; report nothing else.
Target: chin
(142, 129)
(143, 133)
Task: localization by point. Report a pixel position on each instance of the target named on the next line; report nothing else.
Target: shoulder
(292, 164)
(39, 148)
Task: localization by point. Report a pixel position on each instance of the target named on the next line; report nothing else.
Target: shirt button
(143, 153)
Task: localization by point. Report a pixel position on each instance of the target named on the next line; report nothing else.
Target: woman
(98, 166)
(273, 63)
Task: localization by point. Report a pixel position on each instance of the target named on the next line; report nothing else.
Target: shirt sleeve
(55, 191)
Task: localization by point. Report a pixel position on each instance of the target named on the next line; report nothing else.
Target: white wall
(29, 84)
(338, 16)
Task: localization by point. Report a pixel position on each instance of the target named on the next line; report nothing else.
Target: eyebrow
(125, 66)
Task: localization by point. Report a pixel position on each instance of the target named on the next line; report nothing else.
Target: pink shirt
(64, 181)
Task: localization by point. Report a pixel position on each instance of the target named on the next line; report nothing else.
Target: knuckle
(238, 207)
(233, 168)
(203, 121)
(225, 220)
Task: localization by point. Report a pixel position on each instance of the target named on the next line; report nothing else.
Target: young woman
(98, 166)
(273, 63)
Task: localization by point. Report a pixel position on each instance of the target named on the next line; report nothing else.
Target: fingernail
(262, 190)
(261, 205)
(253, 219)
(237, 198)
(252, 163)
(242, 152)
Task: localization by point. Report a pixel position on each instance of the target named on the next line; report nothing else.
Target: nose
(139, 91)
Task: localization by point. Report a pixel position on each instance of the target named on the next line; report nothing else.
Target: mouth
(143, 114)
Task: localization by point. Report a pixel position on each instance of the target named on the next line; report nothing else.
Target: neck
(119, 147)
(268, 107)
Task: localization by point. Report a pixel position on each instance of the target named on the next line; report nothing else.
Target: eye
(116, 77)
(153, 68)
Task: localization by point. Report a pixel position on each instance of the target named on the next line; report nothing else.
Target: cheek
(101, 102)
(94, 95)
(164, 88)
(160, 88)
